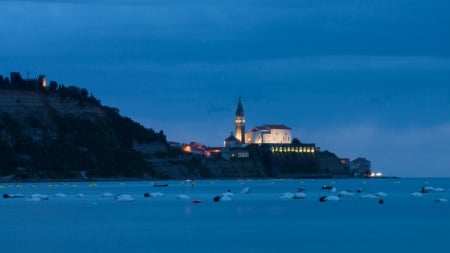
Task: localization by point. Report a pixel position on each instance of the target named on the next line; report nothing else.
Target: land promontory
(58, 132)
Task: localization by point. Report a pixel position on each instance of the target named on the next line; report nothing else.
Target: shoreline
(118, 179)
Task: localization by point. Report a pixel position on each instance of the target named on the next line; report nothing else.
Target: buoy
(124, 198)
(381, 201)
(299, 195)
(182, 196)
(196, 201)
(146, 195)
(216, 198)
(323, 199)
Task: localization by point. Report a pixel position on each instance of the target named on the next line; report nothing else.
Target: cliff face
(46, 136)
(262, 164)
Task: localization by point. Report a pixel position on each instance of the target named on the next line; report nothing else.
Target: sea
(379, 215)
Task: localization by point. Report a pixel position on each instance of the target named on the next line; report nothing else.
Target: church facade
(264, 134)
(269, 134)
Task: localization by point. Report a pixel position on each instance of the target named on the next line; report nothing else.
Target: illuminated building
(240, 123)
(269, 134)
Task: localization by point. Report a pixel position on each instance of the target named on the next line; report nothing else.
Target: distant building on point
(269, 134)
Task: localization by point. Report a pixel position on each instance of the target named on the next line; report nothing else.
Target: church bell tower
(240, 123)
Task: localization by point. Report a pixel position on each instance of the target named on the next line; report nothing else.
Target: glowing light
(187, 149)
(376, 174)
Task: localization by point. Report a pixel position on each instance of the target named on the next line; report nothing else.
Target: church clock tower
(240, 123)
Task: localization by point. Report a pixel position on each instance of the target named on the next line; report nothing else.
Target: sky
(360, 78)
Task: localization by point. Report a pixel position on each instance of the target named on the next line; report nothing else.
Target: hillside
(48, 136)
(56, 132)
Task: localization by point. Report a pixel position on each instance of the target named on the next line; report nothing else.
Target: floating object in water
(427, 189)
(299, 195)
(369, 196)
(441, 200)
(196, 201)
(124, 198)
(287, 195)
(227, 194)
(225, 198)
(13, 196)
(182, 196)
(146, 195)
(246, 190)
(329, 198)
(216, 198)
(381, 194)
(156, 194)
(38, 197)
(332, 198)
(327, 187)
(381, 201)
(345, 194)
(415, 194)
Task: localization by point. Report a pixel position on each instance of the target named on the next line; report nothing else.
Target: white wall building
(274, 134)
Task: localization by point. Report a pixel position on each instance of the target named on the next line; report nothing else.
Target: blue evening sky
(359, 78)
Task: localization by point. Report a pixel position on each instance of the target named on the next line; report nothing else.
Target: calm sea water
(260, 221)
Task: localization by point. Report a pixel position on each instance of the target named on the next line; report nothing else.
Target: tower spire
(240, 122)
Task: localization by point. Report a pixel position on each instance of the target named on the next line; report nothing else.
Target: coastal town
(264, 150)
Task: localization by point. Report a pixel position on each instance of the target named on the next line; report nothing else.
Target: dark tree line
(16, 82)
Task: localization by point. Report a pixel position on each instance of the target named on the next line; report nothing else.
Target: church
(264, 134)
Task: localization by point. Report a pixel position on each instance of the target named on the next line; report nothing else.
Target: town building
(269, 134)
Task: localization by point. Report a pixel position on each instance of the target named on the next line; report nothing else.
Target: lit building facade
(240, 123)
(269, 134)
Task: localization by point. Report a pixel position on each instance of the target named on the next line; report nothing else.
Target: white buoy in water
(227, 194)
(287, 195)
(182, 196)
(345, 194)
(124, 198)
(39, 196)
(438, 189)
(156, 194)
(225, 198)
(332, 198)
(369, 196)
(381, 194)
(415, 194)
